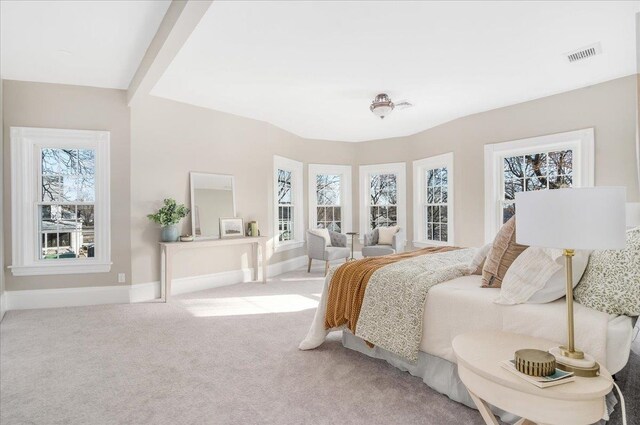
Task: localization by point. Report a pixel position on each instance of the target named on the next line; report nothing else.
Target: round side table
(353, 235)
(479, 355)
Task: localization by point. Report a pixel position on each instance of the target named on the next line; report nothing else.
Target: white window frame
(420, 167)
(346, 207)
(297, 182)
(365, 172)
(581, 142)
(25, 147)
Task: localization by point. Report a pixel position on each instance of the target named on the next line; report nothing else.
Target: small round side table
(479, 355)
(353, 235)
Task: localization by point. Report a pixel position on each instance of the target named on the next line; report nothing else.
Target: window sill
(286, 246)
(425, 244)
(53, 269)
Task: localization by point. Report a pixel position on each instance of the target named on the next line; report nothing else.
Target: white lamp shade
(577, 218)
(633, 214)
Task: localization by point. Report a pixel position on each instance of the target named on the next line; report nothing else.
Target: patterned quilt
(392, 311)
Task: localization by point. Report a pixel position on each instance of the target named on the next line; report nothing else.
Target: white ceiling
(89, 43)
(313, 68)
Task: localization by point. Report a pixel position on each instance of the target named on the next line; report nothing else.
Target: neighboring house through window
(288, 203)
(330, 197)
(60, 201)
(383, 196)
(433, 200)
(540, 163)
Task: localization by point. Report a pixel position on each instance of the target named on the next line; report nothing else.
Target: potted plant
(168, 217)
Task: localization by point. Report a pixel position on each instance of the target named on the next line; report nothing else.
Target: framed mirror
(212, 198)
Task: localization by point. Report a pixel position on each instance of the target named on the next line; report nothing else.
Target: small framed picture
(231, 228)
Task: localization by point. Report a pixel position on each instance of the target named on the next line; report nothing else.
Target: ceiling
(312, 68)
(97, 43)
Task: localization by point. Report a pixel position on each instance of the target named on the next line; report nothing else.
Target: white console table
(167, 249)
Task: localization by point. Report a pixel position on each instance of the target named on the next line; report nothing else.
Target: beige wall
(169, 139)
(608, 107)
(27, 104)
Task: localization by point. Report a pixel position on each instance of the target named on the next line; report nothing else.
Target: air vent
(585, 52)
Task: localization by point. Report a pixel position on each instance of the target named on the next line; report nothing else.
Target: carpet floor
(222, 356)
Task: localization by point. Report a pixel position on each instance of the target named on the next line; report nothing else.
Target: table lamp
(569, 219)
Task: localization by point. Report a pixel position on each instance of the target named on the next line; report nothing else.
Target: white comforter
(461, 305)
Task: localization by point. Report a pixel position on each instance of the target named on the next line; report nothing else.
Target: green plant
(170, 213)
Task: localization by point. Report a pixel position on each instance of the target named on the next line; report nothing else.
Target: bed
(459, 305)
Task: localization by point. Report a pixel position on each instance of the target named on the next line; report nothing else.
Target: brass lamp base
(577, 362)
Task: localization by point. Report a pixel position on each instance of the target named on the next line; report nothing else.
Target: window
(539, 163)
(433, 200)
(60, 201)
(289, 227)
(286, 230)
(534, 171)
(330, 197)
(382, 190)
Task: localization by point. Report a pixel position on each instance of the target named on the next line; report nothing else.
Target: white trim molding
(297, 184)
(25, 145)
(346, 204)
(365, 173)
(581, 142)
(141, 292)
(420, 167)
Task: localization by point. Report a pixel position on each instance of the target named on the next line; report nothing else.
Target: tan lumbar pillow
(385, 235)
(503, 253)
(322, 233)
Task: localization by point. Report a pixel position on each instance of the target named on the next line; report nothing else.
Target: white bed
(461, 305)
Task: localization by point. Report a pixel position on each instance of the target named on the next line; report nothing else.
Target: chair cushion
(501, 255)
(333, 253)
(385, 235)
(377, 250)
(324, 233)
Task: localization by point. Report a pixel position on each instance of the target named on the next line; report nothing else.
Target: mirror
(212, 198)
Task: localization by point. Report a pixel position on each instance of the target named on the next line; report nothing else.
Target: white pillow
(322, 233)
(475, 267)
(385, 235)
(538, 276)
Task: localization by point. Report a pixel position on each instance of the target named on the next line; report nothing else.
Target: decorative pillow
(538, 276)
(611, 282)
(385, 235)
(477, 263)
(503, 252)
(324, 233)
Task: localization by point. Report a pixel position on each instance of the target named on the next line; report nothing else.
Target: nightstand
(479, 355)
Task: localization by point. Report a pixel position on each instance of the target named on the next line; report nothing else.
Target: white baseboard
(124, 294)
(67, 297)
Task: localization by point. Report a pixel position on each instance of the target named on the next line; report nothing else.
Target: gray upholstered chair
(372, 249)
(317, 249)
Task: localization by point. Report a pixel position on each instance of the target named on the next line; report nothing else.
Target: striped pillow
(502, 254)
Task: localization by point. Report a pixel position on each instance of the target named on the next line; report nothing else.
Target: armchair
(371, 247)
(317, 248)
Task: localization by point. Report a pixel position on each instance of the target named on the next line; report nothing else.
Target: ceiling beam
(178, 23)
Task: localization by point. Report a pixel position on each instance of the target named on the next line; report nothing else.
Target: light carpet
(222, 356)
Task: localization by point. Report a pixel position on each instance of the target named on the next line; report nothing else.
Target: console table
(167, 249)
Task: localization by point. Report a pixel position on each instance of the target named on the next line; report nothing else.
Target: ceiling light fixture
(381, 106)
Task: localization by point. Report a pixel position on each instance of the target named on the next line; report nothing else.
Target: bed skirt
(439, 374)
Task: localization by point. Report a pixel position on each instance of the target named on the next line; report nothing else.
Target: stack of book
(559, 376)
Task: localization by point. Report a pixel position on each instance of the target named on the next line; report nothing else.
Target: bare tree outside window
(383, 207)
(67, 203)
(329, 211)
(537, 171)
(285, 206)
(437, 205)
